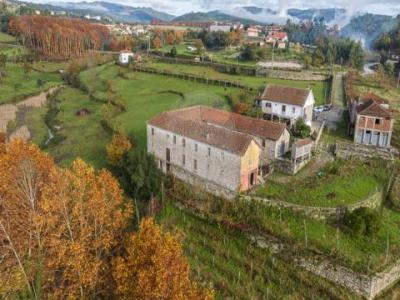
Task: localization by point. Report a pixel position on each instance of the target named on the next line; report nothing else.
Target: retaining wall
(321, 213)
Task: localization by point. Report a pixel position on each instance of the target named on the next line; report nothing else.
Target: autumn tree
(170, 40)
(25, 172)
(154, 268)
(119, 145)
(86, 217)
(157, 43)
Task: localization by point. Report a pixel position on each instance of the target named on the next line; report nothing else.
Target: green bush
(363, 221)
(301, 129)
(394, 195)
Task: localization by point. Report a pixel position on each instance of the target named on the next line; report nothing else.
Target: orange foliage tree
(120, 144)
(157, 42)
(155, 263)
(64, 233)
(58, 36)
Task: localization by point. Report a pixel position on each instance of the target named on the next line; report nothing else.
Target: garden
(338, 183)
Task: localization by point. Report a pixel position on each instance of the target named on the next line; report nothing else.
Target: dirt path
(8, 113)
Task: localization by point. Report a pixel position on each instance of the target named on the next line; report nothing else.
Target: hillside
(212, 16)
(368, 27)
(328, 14)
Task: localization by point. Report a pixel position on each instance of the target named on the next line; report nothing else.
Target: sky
(177, 7)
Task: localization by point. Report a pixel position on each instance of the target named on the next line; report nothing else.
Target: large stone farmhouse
(223, 152)
(287, 103)
(371, 121)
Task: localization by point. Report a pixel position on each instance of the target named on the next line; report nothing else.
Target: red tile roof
(278, 35)
(285, 94)
(303, 142)
(229, 131)
(374, 109)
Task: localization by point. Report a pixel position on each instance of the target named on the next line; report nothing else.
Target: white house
(253, 31)
(222, 152)
(125, 56)
(287, 103)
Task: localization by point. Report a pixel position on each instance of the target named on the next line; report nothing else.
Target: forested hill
(368, 27)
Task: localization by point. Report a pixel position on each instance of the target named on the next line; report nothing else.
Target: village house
(253, 31)
(218, 27)
(223, 152)
(301, 153)
(277, 39)
(287, 104)
(371, 121)
(126, 56)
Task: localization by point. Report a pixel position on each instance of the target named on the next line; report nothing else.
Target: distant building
(287, 103)
(371, 121)
(223, 28)
(125, 56)
(223, 152)
(278, 39)
(253, 31)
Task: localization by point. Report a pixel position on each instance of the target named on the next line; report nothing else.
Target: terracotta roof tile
(284, 94)
(374, 109)
(219, 128)
(303, 142)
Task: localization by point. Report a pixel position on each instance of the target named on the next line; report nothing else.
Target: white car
(318, 109)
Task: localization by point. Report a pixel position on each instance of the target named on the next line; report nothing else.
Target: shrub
(363, 221)
(301, 129)
(394, 195)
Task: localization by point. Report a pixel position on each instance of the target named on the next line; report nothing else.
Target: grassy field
(146, 95)
(49, 67)
(319, 88)
(336, 184)
(237, 268)
(16, 84)
(6, 38)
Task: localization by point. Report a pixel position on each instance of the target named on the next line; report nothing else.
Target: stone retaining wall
(346, 150)
(321, 213)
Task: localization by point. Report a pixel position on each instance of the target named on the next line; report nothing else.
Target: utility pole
(273, 54)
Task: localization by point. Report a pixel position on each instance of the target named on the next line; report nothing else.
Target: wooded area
(58, 36)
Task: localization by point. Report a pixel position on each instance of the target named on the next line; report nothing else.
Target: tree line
(54, 36)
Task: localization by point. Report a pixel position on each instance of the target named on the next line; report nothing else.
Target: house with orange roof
(223, 152)
(371, 121)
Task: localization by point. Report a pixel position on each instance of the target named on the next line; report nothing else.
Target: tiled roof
(219, 128)
(303, 142)
(374, 109)
(374, 97)
(285, 94)
(279, 35)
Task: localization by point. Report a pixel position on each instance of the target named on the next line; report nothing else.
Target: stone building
(287, 103)
(223, 152)
(371, 121)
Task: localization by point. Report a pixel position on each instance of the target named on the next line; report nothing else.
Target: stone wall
(203, 184)
(303, 75)
(321, 213)
(346, 150)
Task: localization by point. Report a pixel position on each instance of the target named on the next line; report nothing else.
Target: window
(195, 165)
(209, 151)
(222, 155)
(196, 147)
(293, 109)
(263, 143)
(267, 104)
(174, 139)
(152, 131)
(377, 121)
(183, 142)
(283, 108)
(183, 159)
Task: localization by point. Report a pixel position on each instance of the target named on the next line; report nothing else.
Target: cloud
(177, 7)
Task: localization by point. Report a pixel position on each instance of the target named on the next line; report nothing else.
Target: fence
(191, 77)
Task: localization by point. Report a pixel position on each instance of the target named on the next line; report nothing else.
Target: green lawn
(17, 85)
(50, 67)
(6, 38)
(338, 183)
(362, 253)
(147, 95)
(237, 268)
(84, 135)
(319, 88)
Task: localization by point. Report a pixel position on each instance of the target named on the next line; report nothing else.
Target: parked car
(327, 107)
(318, 109)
